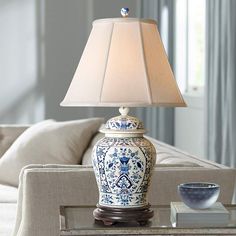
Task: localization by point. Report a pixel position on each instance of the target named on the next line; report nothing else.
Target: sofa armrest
(43, 189)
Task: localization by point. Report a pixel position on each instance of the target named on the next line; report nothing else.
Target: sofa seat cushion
(8, 194)
(7, 218)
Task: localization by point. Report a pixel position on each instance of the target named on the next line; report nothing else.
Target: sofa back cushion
(8, 134)
(47, 142)
(87, 157)
(167, 156)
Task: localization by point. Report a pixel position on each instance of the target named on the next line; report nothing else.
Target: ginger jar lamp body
(123, 162)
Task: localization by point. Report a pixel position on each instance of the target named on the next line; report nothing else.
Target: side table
(78, 220)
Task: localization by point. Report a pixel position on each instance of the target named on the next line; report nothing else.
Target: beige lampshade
(124, 64)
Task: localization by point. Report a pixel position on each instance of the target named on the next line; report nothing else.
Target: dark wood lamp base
(110, 215)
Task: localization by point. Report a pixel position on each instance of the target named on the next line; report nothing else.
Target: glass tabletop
(79, 219)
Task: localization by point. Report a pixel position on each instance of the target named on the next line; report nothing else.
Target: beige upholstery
(88, 153)
(48, 142)
(8, 194)
(43, 188)
(7, 218)
(8, 200)
(8, 134)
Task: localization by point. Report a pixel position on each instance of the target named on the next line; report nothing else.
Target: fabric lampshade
(124, 64)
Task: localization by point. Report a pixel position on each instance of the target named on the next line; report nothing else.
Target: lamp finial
(124, 111)
(124, 11)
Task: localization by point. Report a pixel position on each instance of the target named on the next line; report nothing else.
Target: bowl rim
(211, 185)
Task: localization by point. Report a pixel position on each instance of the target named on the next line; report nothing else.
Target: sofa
(32, 208)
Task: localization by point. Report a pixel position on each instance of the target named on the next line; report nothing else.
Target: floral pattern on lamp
(124, 123)
(123, 167)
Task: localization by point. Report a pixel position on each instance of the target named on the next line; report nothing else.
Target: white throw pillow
(47, 142)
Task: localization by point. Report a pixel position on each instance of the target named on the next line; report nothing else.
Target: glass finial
(124, 11)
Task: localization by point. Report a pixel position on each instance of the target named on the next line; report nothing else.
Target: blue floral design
(122, 169)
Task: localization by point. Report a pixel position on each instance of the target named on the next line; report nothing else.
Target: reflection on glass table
(78, 220)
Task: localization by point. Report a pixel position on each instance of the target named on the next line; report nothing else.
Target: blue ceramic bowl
(199, 195)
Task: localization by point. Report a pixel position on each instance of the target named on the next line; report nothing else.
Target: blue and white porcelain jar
(123, 161)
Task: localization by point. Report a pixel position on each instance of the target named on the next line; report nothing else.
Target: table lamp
(124, 64)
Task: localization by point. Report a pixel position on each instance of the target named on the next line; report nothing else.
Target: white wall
(41, 44)
(189, 126)
(21, 100)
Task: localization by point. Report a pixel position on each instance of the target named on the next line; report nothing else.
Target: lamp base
(123, 162)
(111, 215)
